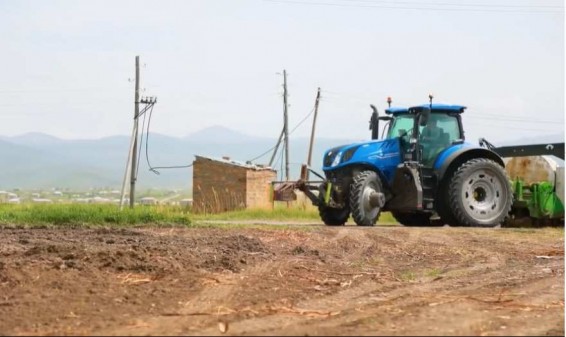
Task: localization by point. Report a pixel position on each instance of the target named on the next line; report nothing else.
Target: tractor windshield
(401, 125)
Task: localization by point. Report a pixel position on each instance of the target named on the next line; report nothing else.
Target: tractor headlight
(336, 160)
(348, 154)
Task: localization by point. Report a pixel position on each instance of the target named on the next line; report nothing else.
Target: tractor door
(440, 132)
(402, 127)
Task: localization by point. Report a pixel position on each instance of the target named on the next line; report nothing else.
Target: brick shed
(221, 185)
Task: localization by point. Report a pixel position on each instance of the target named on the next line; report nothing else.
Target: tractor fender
(454, 156)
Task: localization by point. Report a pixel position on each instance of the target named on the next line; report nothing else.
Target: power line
(9, 91)
(290, 132)
(406, 8)
(451, 4)
(512, 120)
(489, 125)
(154, 168)
(141, 144)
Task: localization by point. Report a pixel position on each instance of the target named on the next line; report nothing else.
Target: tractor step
(428, 182)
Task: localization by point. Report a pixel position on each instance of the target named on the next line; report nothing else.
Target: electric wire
(451, 4)
(154, 168)
(407, 8)
(508, 119)
(472, 115)
(290, 132)
(141, 145)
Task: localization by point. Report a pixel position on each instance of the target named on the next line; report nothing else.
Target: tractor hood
(360, 153)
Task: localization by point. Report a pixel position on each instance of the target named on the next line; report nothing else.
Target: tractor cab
(424, 131)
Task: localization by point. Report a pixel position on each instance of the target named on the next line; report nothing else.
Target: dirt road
(312, 280)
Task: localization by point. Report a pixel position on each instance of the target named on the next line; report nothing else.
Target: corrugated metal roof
(246, 165)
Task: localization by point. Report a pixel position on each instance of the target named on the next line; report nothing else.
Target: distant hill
(33, 138)
(220, 134)
(36, 160)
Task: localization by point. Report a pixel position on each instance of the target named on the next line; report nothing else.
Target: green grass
(278, 213)
(434, 272)
(85, 215)
(77, 215)
(408, 276)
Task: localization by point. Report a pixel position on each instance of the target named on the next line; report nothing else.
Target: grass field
(93, 215)
(85, 215)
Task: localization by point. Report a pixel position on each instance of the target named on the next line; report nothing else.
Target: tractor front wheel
(364, 185)
(333, 216)
(480, 193)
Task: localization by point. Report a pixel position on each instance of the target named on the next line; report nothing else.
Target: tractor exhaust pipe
(374, 123)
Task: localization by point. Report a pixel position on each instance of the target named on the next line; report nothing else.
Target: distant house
(186, 202)
(221, 185)
(100, 200)
(41, 201)
(8, 197)
(148, 201)
(14, 201)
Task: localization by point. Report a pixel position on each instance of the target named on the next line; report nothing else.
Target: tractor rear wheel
(333, 216)
(364, 185)
(480, 193)
(442, 205)
(414, 219)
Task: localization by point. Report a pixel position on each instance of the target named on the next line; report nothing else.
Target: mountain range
(39, 161)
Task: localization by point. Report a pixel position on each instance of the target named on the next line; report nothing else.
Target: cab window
(448, 124)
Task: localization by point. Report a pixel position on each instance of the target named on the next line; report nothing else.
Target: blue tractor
(423, 172)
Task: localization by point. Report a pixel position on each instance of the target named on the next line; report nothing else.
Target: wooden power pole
(285, 125)
(135, 149)
(132, 164)
(309, 157)
(277, 147)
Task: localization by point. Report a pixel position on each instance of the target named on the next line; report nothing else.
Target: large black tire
(480, 193)
(333, 216)
(363, 185)
(442, 204)
(415, 219)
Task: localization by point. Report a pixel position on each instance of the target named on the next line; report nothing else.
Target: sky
(67, 67)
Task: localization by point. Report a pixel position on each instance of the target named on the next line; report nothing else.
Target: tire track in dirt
(426, 306)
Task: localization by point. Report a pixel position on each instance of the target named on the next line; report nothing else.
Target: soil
(313, 280)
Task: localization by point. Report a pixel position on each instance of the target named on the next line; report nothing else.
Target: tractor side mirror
(423, 117)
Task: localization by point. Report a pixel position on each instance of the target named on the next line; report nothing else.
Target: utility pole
(128, 163)
(132, 164)
(312, 132)
(135, 147)
(277, 146)
(285, 125)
